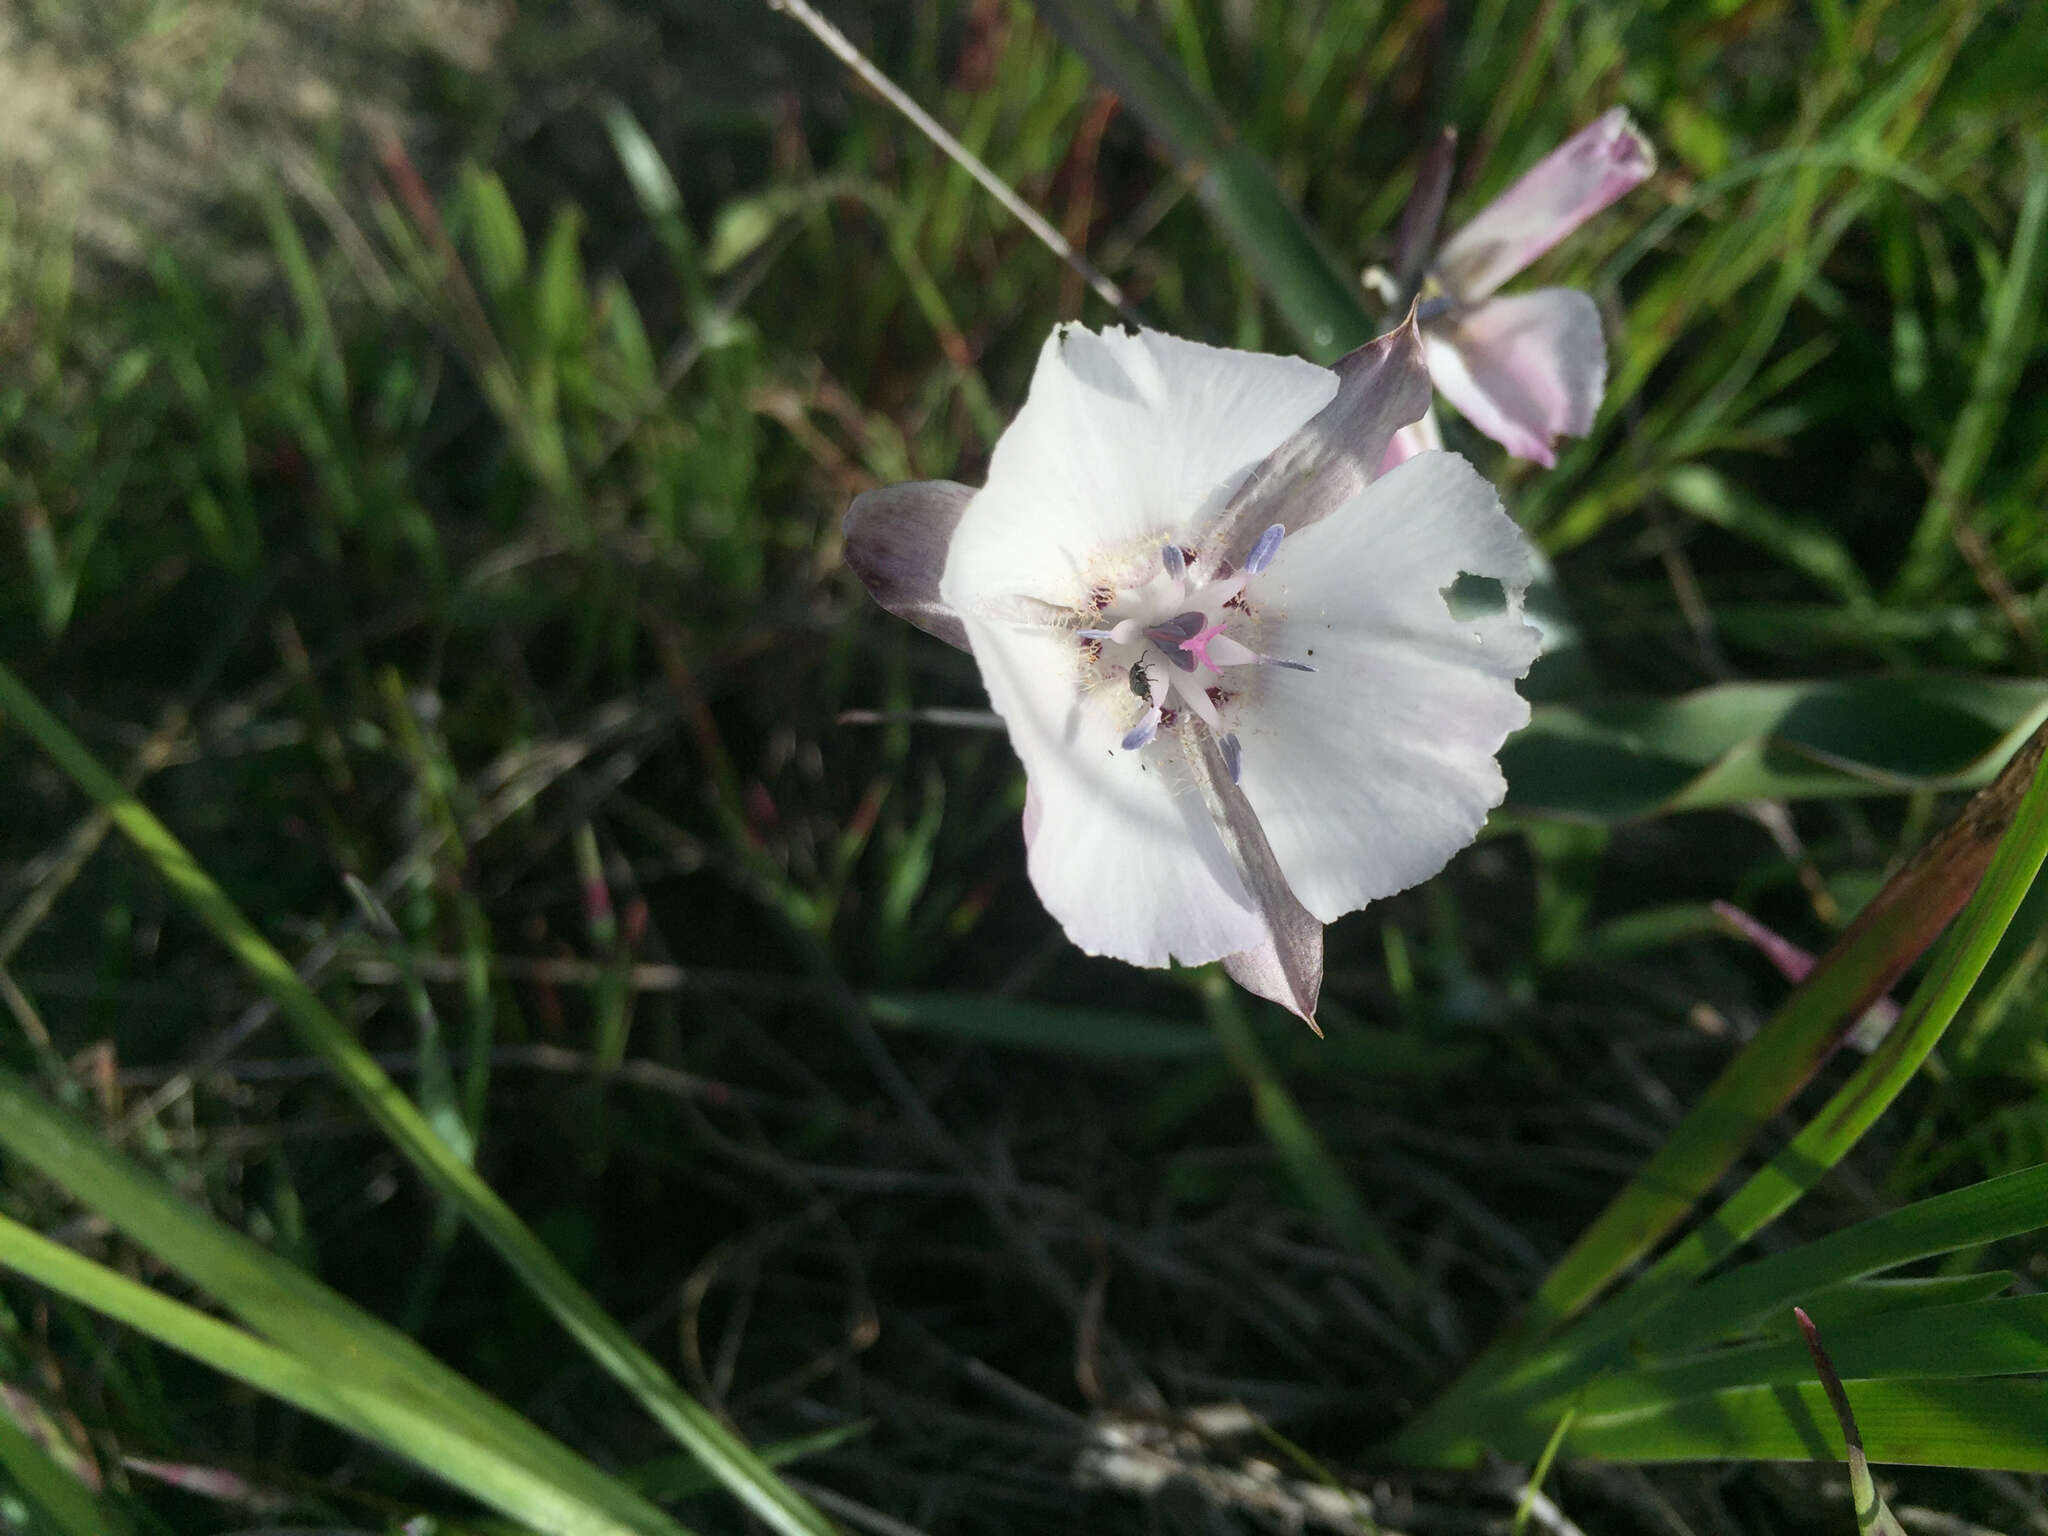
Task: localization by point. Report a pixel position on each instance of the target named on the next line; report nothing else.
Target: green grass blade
(1993, 1424)
(1998, 1208)
(1854, 1108)
(2007, 1337)
(2001, 837)
(67, 1502)
(1307, 284)
(1891, 933)
(399, 1424)
(600, 1334)
(1852, 1301)
(2008, 332)
(1453, 1431)
(291, 1308)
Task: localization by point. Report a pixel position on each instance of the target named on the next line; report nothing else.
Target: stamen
(1175, 562)
(1233, 757)
(1263, 552)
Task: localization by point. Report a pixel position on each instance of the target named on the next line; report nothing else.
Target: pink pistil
(1197, 645)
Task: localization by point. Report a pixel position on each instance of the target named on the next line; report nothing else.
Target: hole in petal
(1475, 597)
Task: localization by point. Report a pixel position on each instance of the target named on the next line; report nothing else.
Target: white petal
(1555, 196)
(1370, 773)
(1525, 369)
(1124, 442)
(1120, 845)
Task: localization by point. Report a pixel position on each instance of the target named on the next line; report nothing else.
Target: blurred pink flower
(1527, 368)
(1220, 642)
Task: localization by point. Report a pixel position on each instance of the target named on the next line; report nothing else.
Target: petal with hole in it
(1525, 369)
(1555, 196)
(1124, 442)
(1369, 774)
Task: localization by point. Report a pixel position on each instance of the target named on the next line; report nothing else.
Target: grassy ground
(458, 511)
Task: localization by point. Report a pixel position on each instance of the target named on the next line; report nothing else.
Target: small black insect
(1141, 685)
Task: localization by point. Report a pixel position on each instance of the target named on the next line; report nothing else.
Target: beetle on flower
(1220, 640)
(1524, 368)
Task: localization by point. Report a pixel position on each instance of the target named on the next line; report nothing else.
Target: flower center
(1166, 640)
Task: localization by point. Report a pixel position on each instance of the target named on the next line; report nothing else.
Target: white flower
(1222, 647)
(1531, 367)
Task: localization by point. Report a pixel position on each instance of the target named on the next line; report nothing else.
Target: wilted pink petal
(1555, 196)
(1524, 369)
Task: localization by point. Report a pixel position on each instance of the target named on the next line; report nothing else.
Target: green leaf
(561, 301)
(2007, 1206)
(290, 1307)
(1886, 937)
(2004, 828)
(495, 229)
(1622, 759)
(597, 1331)
(1993, 1424)
(1854, 1300)
(2008, 1337)
(2007, 339)
(401, 1423)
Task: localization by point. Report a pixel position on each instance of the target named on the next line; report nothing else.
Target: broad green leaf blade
(1618, 760)
(2007, 1206)
(600, 1334)
(1307, 284)
(1985, 1338)
(1991, 1424)
(67, 1502)
(1460, 1426)
(290, 1307)
(1854, 1300)
(399, 1424)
